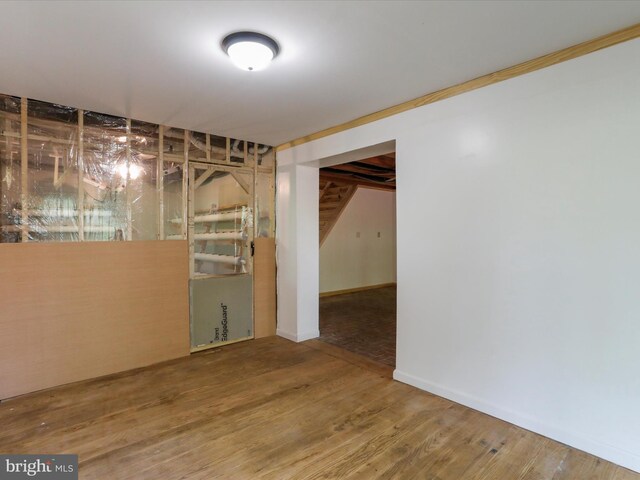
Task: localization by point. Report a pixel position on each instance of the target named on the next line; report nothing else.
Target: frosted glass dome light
(250, 50)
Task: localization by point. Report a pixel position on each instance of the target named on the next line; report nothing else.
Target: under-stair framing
(334, 197)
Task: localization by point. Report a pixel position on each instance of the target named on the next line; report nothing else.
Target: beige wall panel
(72, 311)
(264, 268)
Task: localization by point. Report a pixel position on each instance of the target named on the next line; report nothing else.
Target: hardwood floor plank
(250, 460)
(190, 443)
(156, 418)
(374, 414)
(516, 457)
(405, 454)
(547, 460)
(164, 388)
(471, 450)
(622, 473)
(347, 464)
(132, 386)
(581, 465)
(354, 358)
(273, 409)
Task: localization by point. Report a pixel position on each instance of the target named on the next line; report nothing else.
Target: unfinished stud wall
(71, 175)
(85, 287)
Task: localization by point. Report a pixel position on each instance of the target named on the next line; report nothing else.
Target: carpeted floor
(362, 322)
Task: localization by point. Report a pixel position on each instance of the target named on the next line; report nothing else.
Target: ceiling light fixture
(250, 50)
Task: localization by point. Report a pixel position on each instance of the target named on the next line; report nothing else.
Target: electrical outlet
(378, 234)
(357, 234)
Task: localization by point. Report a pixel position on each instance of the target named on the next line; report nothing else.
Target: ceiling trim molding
(529, 66)
(337, 178)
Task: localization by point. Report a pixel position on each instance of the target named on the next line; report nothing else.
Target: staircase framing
(333, 207)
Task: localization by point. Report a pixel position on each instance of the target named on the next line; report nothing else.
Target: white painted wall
(523, 300)
(297, 251)
(353, 255)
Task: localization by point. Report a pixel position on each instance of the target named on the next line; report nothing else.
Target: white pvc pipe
(212, 217)
(213, 236)
(218, 217)
(59, 229)
(67, 213)
(228, 259)
(220, 236)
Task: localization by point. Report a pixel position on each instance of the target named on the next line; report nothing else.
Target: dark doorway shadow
(362, 322)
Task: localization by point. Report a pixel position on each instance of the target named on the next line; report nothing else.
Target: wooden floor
(275, 409)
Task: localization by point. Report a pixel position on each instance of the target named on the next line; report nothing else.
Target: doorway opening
(221, 267)
(357, 226)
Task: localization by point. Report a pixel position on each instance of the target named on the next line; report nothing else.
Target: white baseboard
(298, 337)
(581, 442)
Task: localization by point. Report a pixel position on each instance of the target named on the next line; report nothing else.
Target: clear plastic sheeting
(106, 175)
(71, 175)
(173, 145)
(222, 241)
(142, 181)
(10, 172)
(265, 205)
(173, 227)
(52, 192)
(222, 221)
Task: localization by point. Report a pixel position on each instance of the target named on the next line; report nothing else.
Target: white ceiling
(161, 61)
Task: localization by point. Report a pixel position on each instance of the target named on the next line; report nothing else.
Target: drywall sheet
(221, 310)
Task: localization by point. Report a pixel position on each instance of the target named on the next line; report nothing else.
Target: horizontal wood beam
(336, 178)
(347, 167)
(381, 161)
